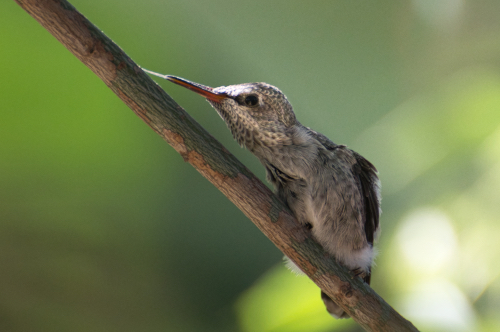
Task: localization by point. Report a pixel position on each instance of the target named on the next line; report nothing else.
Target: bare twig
(213, 161)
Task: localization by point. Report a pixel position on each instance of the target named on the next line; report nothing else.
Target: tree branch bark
(213, 161)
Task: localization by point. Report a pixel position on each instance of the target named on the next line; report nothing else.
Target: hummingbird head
(256, 113)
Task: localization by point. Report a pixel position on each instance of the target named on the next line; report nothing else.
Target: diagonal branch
(213, 161)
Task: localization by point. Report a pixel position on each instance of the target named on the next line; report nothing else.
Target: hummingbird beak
(200, 89)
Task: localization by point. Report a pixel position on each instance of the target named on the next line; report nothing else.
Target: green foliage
(283, 301)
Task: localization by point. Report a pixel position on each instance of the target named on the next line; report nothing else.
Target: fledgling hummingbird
(330, 188)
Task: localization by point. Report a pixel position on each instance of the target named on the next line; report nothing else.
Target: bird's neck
(296, 154)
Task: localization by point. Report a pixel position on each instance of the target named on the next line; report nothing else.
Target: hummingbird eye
(251, 100)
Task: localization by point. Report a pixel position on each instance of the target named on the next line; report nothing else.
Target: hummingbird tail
(333, 308)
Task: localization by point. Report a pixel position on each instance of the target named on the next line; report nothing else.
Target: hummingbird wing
(368, 182)
(370, 187)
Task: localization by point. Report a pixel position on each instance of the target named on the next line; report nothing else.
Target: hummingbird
(331, 190)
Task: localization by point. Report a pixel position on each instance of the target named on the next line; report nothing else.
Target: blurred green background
(103, 227)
